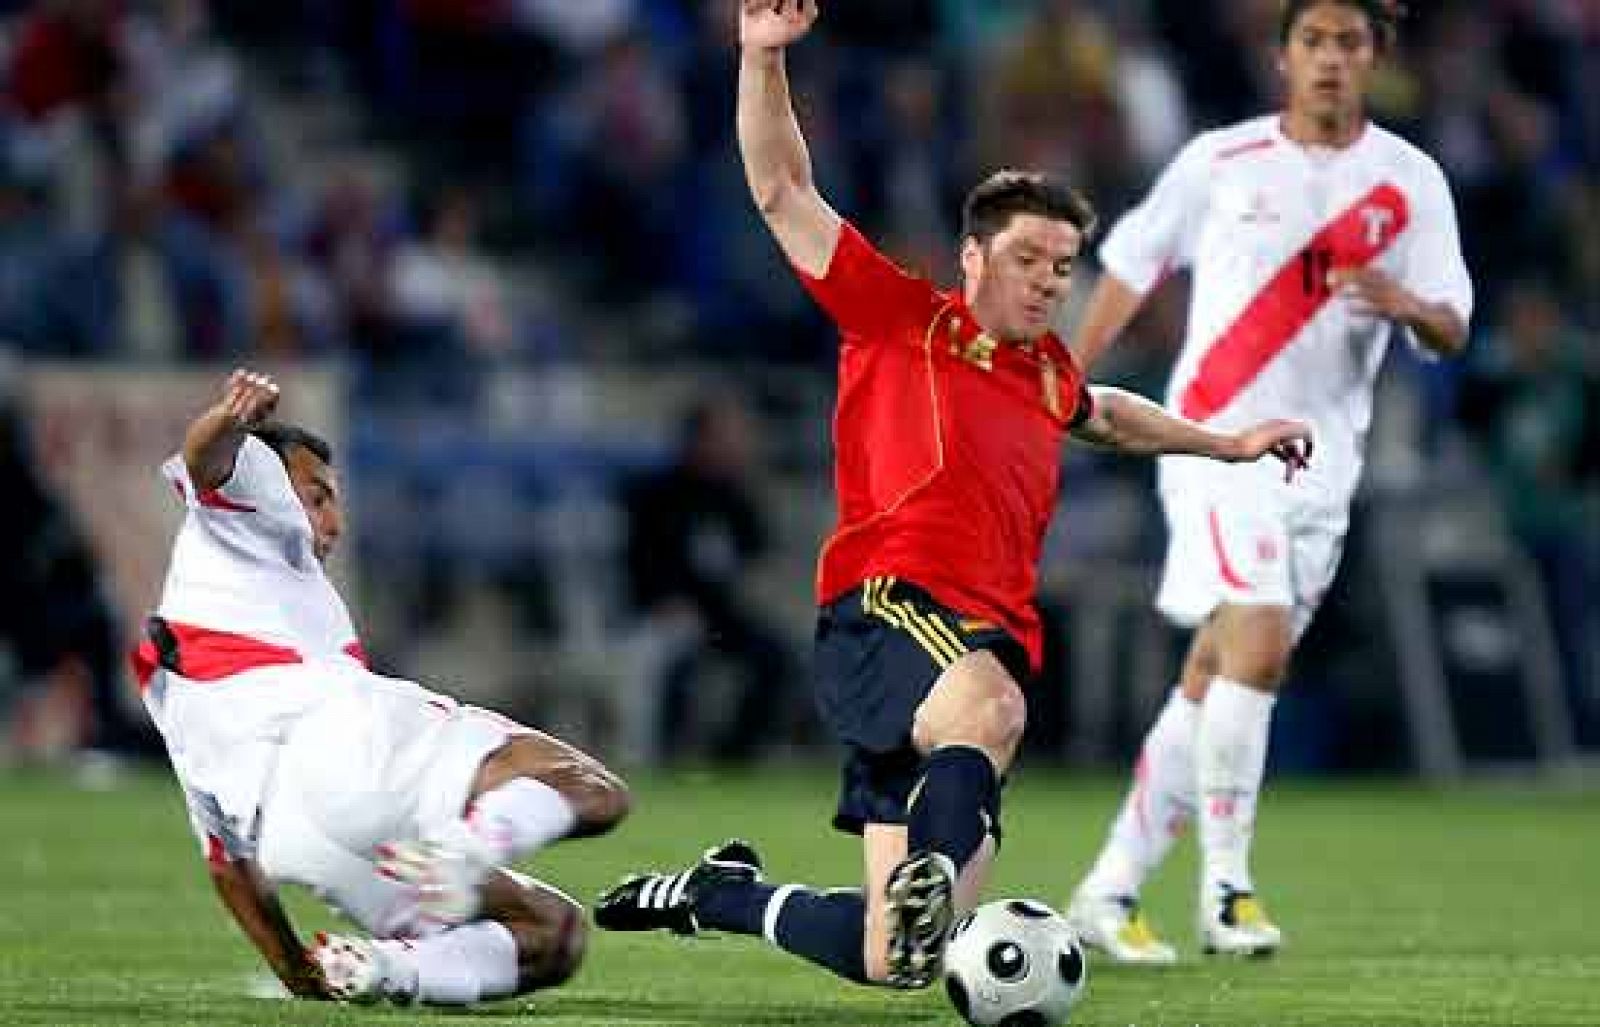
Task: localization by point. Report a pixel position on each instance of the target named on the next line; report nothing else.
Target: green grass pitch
(1402, 906)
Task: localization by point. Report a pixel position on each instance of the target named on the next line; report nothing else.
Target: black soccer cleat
(653, 902)
(921, 906)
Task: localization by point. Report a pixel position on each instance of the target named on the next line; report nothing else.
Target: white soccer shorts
(1245, 539)
(385, 760)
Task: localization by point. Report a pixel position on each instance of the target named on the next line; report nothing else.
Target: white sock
(456, 967)
(1158, 808)
(1230, 759)
(518, 818)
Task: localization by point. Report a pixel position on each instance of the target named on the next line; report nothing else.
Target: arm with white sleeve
(211, 445)
(1149, 241)
(1432, 295)
(252, 899)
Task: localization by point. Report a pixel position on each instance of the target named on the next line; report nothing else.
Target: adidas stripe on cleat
(650, 902)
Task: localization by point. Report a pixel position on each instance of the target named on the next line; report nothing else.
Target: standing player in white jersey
(1310, 232)
(398, 806)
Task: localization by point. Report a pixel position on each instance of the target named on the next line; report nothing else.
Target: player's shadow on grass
(750, 1014)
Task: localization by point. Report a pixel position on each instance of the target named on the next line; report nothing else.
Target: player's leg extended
(1156, 811)
(1253, 644)
(967, 729)
(529, 791)
(724, 891)
(530, 936)
(536, 789)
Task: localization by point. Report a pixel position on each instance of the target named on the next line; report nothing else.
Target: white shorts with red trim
(388, 761)
(1245, 539)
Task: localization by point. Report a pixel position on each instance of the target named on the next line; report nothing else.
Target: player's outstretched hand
(1370, 293)
(1289, 441)
(771, 24)
(249, 398)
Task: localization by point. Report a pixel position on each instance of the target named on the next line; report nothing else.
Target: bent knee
(552, 957)
(994, 723)
(601, 799)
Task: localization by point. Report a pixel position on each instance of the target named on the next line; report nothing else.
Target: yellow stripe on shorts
(875, 602)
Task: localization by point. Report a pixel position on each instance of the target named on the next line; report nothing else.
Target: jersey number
(1315, 264)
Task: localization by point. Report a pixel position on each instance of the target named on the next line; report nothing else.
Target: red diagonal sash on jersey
(1288, 302)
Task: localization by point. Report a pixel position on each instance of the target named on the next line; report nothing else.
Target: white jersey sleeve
(255, 512)
(214, 830)
(1434, 268)
(1159, 234)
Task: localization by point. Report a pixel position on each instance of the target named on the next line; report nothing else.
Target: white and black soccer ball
(1015, 963)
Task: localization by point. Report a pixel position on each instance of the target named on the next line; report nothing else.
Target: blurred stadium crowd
(490, 212)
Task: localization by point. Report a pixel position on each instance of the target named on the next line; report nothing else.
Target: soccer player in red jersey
(952, 410)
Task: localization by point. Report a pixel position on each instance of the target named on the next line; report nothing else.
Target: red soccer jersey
(947, 444)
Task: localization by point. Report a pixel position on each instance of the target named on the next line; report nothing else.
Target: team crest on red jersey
(977, 351)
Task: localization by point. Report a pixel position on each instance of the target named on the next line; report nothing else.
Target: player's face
(1327, 61)
(1016, 281)
(314, 483)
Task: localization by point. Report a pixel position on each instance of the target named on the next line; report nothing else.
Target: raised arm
(213, 440)
(777, 165)
(1129, 423)
(255, 907)
(1111, 306)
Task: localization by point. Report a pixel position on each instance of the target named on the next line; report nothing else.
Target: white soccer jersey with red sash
(249, 635)
(1262, 220)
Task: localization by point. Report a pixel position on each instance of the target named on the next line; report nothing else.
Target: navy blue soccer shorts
(879, 650)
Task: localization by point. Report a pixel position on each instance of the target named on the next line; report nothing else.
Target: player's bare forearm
(255, 907)
(1111, 306)
(212, 442)
(1437, 327)
(1129, 423)
(1370, 291)
(777, 164)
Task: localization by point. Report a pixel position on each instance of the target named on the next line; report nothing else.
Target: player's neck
(1308, 130)
(982, 323)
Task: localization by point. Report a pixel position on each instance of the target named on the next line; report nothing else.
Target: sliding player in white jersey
(1310, 233)
(397, 805)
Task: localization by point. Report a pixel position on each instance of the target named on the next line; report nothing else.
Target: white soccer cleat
(352, 967)
(1235, 924)
(1115, 925)
(445, 878)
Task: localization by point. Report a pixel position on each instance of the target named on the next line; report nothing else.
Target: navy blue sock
(955, 804)
(825, 928)
(733, 906)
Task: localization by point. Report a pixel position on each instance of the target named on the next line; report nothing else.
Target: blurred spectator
(54, 617)
(1531, 400)
(443, 283)
(694, 530)
(617, 170)
(68, 53)
(350, 241)
(154, 284)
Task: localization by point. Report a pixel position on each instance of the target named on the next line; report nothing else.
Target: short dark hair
(282, 437)
(992, 204)
(1385, 16)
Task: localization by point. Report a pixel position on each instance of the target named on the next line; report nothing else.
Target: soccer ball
(1015, 963)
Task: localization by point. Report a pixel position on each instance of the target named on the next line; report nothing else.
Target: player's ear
(972, 257)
